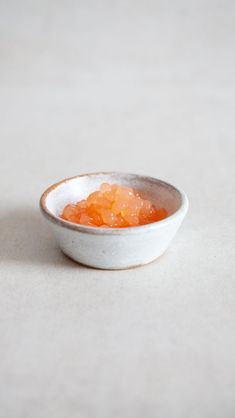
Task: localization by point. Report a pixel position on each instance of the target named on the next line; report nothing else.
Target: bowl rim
(181, 211)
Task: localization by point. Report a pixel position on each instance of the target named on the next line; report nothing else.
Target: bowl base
(112, 268)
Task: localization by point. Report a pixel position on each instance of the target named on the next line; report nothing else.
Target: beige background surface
(138, 86)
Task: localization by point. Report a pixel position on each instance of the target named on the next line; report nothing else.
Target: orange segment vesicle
(113, 206)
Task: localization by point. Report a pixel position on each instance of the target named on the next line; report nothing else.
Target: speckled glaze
(116, 248)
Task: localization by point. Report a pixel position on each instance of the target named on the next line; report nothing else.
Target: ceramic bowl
(114, 248)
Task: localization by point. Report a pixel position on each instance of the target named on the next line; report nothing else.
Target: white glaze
(114, 248)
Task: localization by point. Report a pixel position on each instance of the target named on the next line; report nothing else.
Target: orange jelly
(113, 206)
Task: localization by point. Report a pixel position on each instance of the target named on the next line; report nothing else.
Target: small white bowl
(114, 248)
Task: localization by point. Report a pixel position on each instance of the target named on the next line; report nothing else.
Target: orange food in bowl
(113, 206)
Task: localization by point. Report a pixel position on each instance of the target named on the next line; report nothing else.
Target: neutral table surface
(141, 86)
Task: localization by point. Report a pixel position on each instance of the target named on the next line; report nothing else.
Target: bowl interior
(75, 189)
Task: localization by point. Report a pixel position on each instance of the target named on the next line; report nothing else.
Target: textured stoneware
(117, 248)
